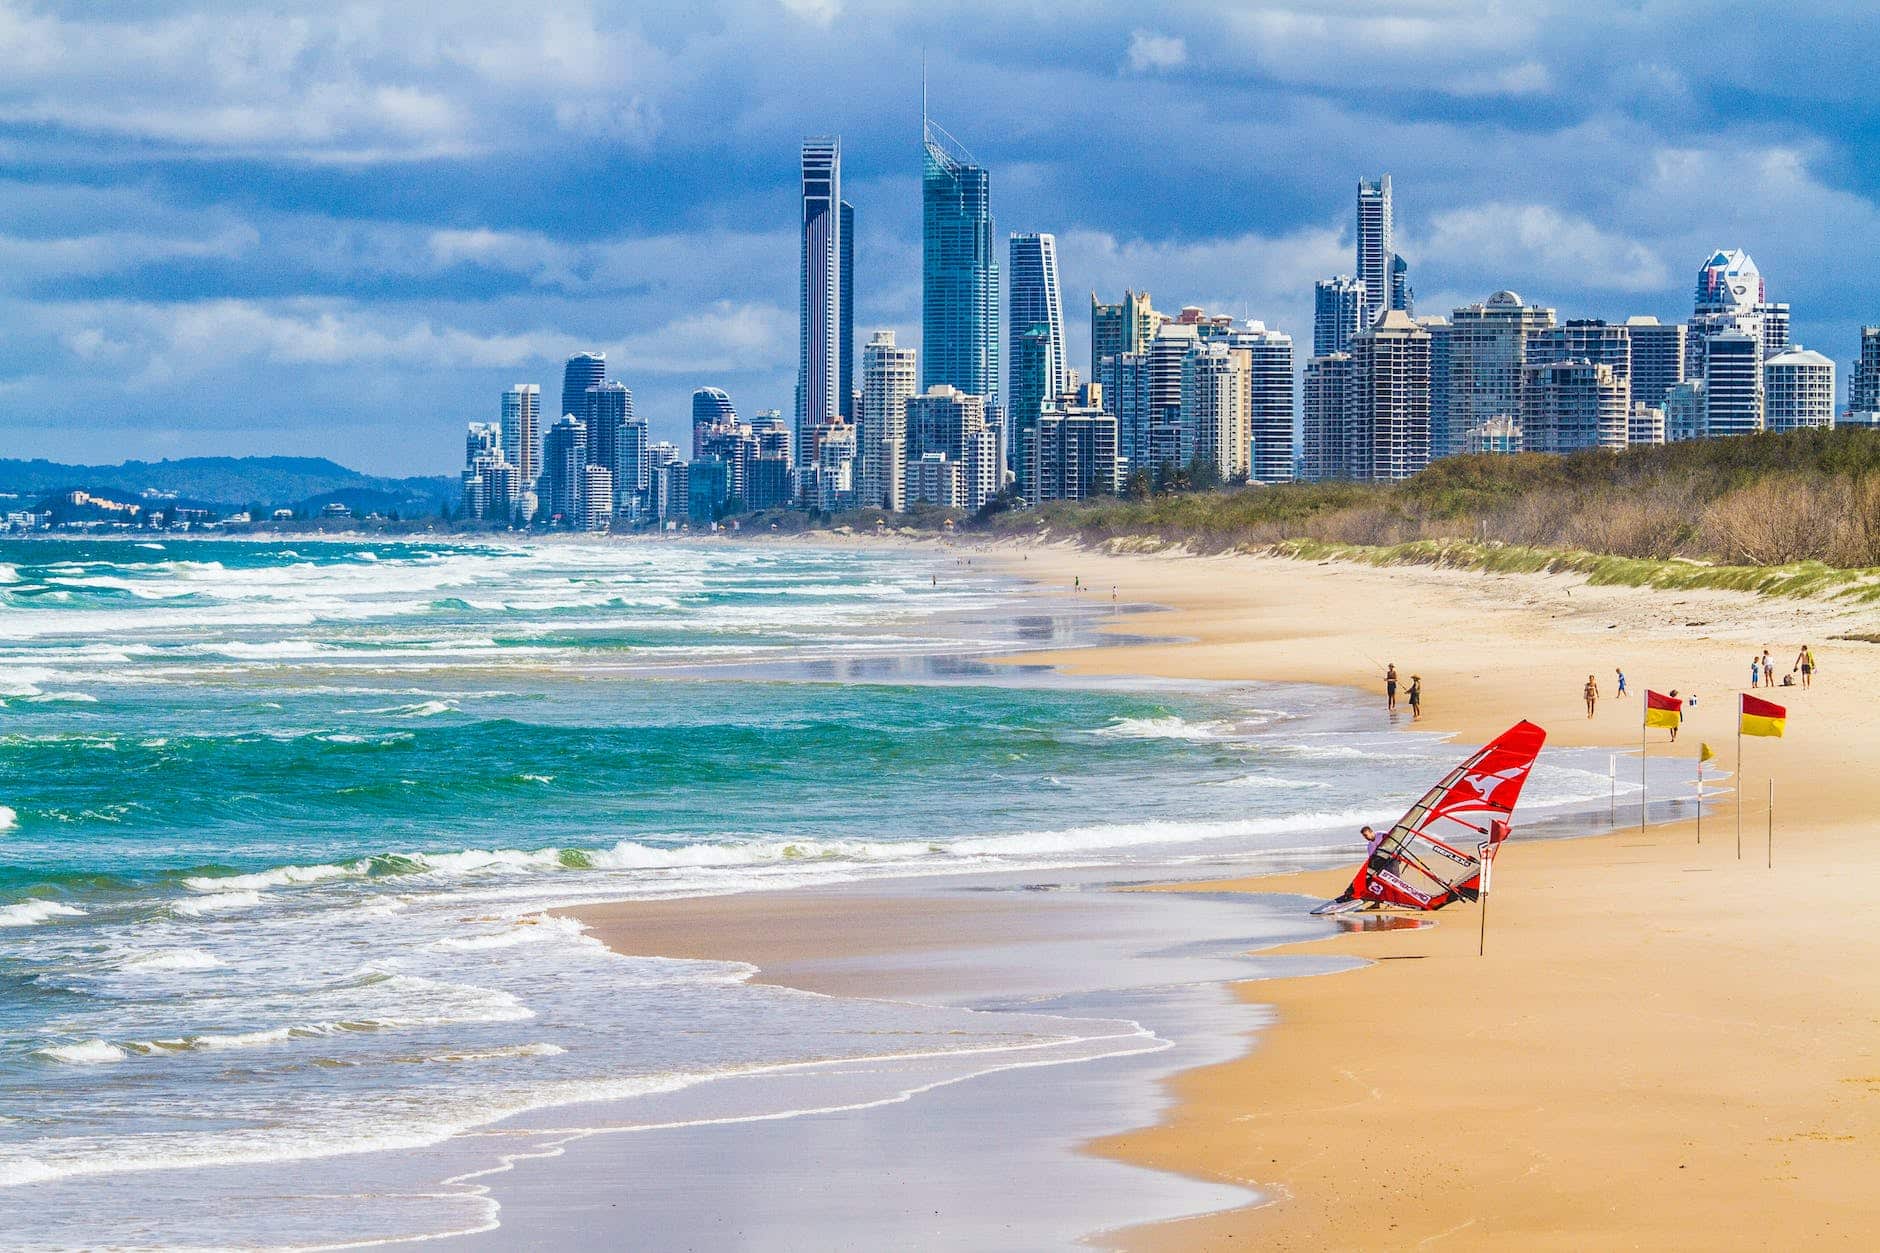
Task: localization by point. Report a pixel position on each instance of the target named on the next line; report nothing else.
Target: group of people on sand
(1413, 695)
(1762, 671)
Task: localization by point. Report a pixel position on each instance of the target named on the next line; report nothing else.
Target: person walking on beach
(1674, 726)
(1591, 693)
(1390, 687)
(1621, 674)
(1416, 697)
(1755, 672)
(1805, 662)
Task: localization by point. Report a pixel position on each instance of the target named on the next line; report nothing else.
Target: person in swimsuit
(1805, 661)
(1591, 693)
(1390, 687)
(1416, 697)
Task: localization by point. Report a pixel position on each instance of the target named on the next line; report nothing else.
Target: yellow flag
(1705, 752)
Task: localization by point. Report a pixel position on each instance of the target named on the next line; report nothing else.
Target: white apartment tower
(888, 383)
(1269, 401)
(1798, 391)
(1387, 409)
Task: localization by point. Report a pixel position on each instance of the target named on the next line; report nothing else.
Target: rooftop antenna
(923, 91)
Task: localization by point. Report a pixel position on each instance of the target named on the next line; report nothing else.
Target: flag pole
(1772, 824)
(1739, 776)
(1612, 782)
(1642, 724)
(1700, 792)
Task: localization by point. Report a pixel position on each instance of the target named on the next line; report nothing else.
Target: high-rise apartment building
(1269, 401)
(1387, 409)
(845, 318)
(1774, 316)
(950, 425)
(607, 410)
(1073, 455)
(1125, 380)
(1338, 313)
(632, 471)
(1401, 296)
(888, 374)
(819, 399)
(1657, 353)
(1439, 329)
(1374, 243)
(1798, 391)
(1571, 404)
(1120, 328)
(1487, 353)
(1037, 301)
(1645, 424)
(597, 495)
(1214, 409)
(521, 447)
(583, 370)
(1322, 428)
(1733, 384)
(959, 269)
(564, 466)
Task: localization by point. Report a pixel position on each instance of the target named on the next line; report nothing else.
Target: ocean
(279, 822)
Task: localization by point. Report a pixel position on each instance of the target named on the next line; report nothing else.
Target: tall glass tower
(584, 370)
(959, 271)
(820, 376)
(1374, 240)
(1035, 357)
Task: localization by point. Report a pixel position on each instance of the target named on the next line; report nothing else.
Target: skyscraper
(1657, 351)
(1214, 409)
(564, 467)
(1374, 243)
(1338, 313)
(1387, 407)
(1401, 295)
(1322, 427)
(1798, 391)
(521, 419)
(608, 409)
(1030, 376)
(959, 270)
(953, 453)
(1585, 339)
(1487, 350)
(1269, 402)
(1125, 380)
(1035, 300)
(1439, 330)
(1073, 455)
(819, 310)
(888, 373)
(845, 319)
(1733, 384)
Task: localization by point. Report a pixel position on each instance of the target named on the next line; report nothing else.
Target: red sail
(1431, 857)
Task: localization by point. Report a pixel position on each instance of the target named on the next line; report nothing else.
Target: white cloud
(1529, 78)
(1527, 242)
(1149, 51)
(86, 256)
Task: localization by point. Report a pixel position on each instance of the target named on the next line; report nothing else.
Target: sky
(342, 229)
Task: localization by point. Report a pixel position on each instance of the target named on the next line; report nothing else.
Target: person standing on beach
(1674, 726)
(1390, 687)
(1621, 674)
(1591, 693)
(1755, 672)
(1416, 697)
(1769, 669)
(1805, 662)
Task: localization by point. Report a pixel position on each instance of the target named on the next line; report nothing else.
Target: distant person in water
(1591, 692)
(1390, 687)
(1805, 662)
(1416, 697)
(1621, 674)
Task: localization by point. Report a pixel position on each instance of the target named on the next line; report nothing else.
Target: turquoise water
(278, 822)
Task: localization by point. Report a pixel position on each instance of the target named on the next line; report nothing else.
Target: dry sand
(1665, 1047)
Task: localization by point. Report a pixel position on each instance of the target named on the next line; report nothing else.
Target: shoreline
(1262, 1118)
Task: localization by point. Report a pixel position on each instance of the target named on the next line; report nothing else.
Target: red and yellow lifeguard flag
(1761, 717)
(1662, 710)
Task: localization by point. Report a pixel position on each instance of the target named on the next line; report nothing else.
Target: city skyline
(206, 233)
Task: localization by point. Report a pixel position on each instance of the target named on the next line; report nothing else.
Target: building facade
(1338, 313)
(819, 382)
(1657, 358)
(1733, 384)
(1798, 391)
(1574, 404)
(1270, 450)
(888, 374)
(582, 371)
(1120, 328)
(1322, 426)
(1487, 354)
(1073, 456)
(959, 269)
(1387, 409)
(1374, 247)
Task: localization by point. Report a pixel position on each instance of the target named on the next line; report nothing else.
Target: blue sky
(342, 229)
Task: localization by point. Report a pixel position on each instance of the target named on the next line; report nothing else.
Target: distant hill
(231, 483)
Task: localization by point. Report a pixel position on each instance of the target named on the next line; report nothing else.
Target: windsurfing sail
(1433, 856)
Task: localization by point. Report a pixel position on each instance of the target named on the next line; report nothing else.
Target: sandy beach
(1666, 1046)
